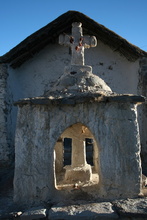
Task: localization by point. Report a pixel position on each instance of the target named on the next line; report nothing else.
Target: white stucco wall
(39, 73)
(115, 129)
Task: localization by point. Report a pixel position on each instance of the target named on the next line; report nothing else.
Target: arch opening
(76, 158)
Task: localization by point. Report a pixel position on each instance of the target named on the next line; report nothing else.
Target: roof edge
(47, 34)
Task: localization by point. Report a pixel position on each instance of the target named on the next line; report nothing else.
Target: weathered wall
(115, 129)
(5, 150)
(39, 73)
(143, 112)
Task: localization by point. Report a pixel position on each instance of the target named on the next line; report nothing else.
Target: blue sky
(21, 18)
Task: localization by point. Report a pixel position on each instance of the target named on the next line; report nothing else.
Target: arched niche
(76, 157)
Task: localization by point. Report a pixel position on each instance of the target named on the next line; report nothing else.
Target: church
(73, 114)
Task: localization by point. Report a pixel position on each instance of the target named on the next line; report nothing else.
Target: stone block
(34, 213)
(100, 211)
(74, 174)
(132, 208)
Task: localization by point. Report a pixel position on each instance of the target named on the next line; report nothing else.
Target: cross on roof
(78, 43)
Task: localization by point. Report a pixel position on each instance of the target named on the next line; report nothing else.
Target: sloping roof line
(49, 34)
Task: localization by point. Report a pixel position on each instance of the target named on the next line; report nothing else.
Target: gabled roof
(49, 34)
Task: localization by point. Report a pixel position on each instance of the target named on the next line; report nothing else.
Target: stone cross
(78, 43)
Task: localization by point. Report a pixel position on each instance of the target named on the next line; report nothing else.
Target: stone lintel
(82, 98)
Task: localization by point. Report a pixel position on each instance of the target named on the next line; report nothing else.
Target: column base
(76, 174)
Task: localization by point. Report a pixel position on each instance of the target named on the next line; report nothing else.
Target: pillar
(78, 153)
(79, 171)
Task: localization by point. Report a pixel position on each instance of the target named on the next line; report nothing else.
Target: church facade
(32, 68)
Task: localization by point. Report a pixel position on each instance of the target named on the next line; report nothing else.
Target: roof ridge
(47, 34)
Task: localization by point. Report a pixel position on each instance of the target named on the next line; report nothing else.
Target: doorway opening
(76, 160)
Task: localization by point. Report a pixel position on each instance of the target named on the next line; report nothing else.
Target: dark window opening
(67, 151)
(89, 150)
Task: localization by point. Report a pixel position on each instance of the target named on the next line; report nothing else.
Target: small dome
(77, 79)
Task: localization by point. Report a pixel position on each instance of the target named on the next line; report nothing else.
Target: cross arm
(89, 41)
(64, 39)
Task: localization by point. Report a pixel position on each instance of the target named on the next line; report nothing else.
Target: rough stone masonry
(4, 147)
(111, 119)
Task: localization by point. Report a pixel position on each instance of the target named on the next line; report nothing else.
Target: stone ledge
(82, 98)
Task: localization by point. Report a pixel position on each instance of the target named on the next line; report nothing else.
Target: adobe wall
(38, 74)
(5, 151)
(115, 128)
(143, 112)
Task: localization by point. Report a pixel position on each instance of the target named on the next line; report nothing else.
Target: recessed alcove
(76, 157)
